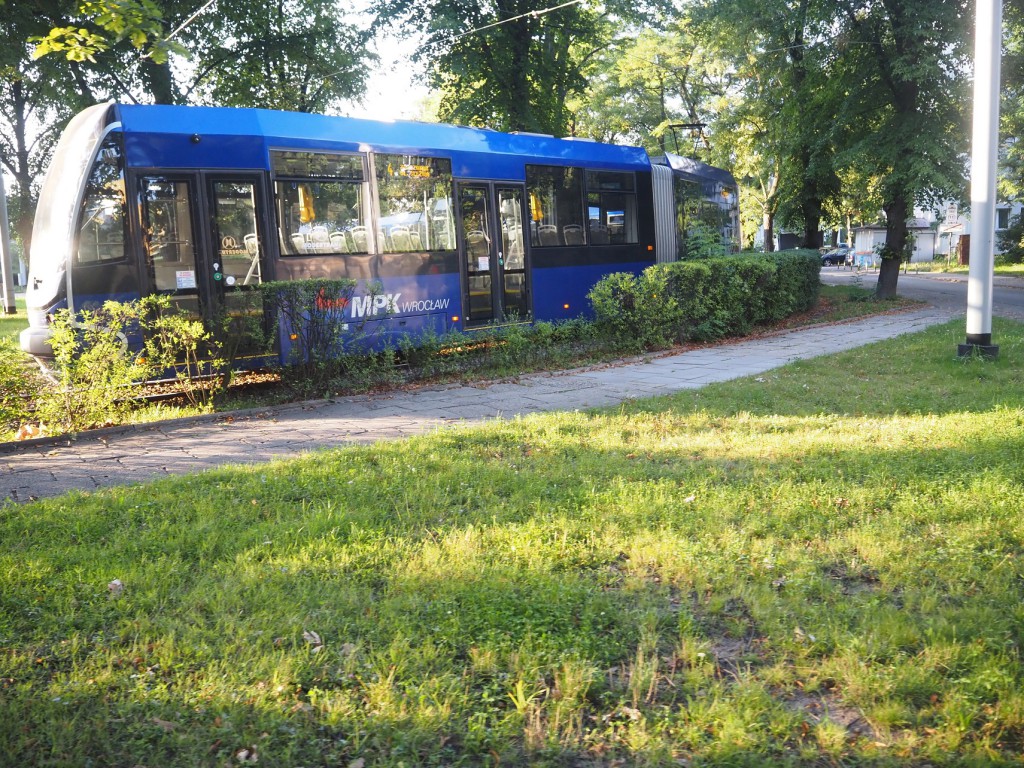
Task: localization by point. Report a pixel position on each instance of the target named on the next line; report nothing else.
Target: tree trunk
(812, 220)
(159, 82)
(895, 246)
(769, 232)
(22, 169)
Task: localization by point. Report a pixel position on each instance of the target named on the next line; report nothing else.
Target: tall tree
(903, 72)
(298, 55)
(648, 83)
(495, 64)
(37, 97)
(506, 64)
(1011, 179)
(775, 45)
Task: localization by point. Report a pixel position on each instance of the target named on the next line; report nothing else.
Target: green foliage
(139, 22)
(705, 299)
(1010, 242)
(19, 387)
(510, 66)
(300, 56)
(703, 240)
(178, 344)
(95, 370)
(312, 325)
(102, 357)
(649, 81)
(637, 310)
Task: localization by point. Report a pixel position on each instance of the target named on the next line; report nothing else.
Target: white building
(869, 240)
(941, 234)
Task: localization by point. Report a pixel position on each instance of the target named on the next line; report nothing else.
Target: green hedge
(706, 299)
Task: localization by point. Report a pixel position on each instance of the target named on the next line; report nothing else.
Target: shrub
(178, 344)
(639, 311)
(312, 327)
(97, 374)
(1010, 242)
(19, 387)
(705, 299)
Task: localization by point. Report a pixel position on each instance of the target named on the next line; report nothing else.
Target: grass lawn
(820, 566)
(12, 325)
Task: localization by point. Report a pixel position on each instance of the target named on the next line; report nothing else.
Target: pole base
(987, 351)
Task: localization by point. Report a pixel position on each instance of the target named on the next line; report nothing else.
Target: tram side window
(611, 208)
(556, 205)
(322, 203)
(703, 218)
(415, 203)
(101, 233)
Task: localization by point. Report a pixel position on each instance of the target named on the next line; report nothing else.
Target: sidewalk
(134, 454)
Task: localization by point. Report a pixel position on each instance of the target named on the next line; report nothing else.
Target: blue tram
(443, 227)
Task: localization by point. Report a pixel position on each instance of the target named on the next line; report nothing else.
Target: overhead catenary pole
(988, 46)
(6, 269)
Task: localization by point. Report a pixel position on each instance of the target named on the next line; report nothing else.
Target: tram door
(495, 265)
(204, 247)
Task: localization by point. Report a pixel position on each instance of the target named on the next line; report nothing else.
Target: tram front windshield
(54, 231)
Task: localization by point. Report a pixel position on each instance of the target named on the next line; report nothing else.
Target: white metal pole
(985, 142)
(6, 269)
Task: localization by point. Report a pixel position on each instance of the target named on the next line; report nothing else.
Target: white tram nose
(36, 341)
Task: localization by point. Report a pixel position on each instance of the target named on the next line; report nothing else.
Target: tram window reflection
(415, 203)
(611, 208)
(101, 233)
(556, 205)
(322, 203)
(167, 225)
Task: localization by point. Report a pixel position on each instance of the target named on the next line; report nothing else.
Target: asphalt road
(945, 291)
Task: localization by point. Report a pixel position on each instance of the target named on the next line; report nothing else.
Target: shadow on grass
(672, 581)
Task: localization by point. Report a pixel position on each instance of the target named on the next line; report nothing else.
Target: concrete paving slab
(126, 456)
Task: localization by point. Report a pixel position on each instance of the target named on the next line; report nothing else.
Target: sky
(392, 90)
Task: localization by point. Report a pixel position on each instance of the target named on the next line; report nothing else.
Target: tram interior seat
(573, 234)
(298, 242)
(548, 234)
(339, 243)
(252, 248)
(415, 240)
(320, 239)
(359, 239)
(401, 239)
(476, 242)
(599, 234)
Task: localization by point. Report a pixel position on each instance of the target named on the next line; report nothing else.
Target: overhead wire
(191, 18)
(534, 14)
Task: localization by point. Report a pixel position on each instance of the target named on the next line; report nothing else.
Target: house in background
(938, 234)
(868, 241)
(954, 231)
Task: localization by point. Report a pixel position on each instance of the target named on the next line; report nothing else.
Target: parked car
(836, 256)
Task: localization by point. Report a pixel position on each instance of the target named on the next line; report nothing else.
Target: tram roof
(222, 137)
(688, 167)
